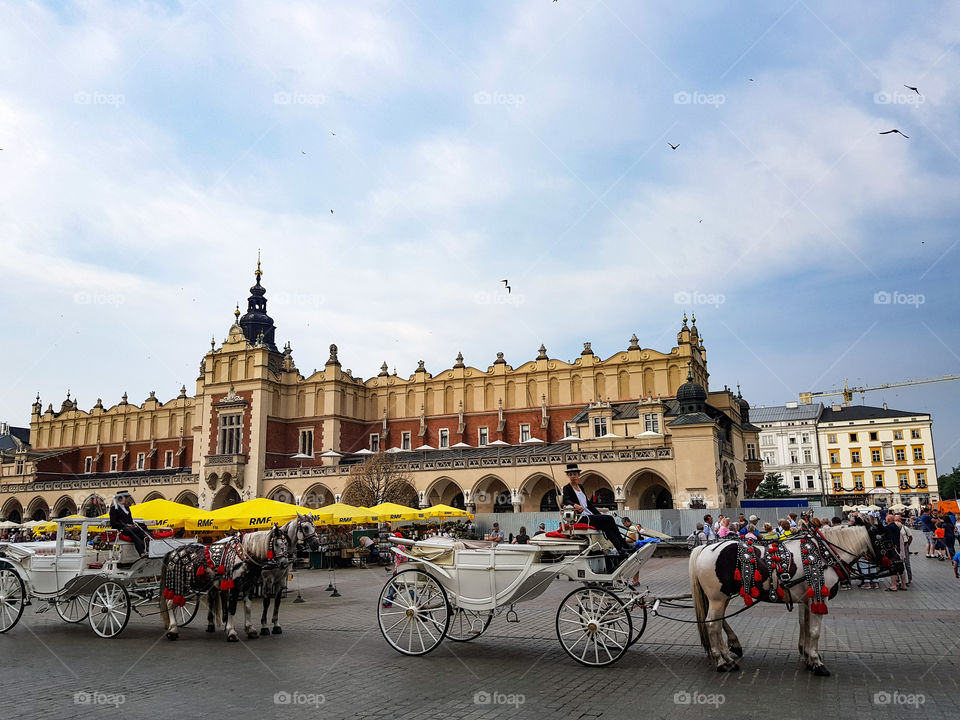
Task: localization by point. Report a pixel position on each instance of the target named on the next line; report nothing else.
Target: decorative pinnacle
(542, 352)
(459, 363)
(634, 342)
(213, 342)
(258, 273)
(236, 313)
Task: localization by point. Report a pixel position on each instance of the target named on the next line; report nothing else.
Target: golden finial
(236, 313)
(258, 273)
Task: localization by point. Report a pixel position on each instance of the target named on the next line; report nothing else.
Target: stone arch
(532, 397)
(188, 497)
(301, 403)
(511, 399)
(535, 489)
(64, 506)
(93, 506)
(489, 401)
(491, 494)
(553, 391)
(12, 510)
(623, 385)
(249, 373)
(649, 387)
(411, 408)
(428, 401)
(38, 509)
(469, 401)
(599, 387)
(225, 496)
(443, 490)
(213, 480)
(648, 490)
(155, 495)
(448, 406)
(599, 489)
(317, 496)
(576, 389)
(281, 493)
(673, 379)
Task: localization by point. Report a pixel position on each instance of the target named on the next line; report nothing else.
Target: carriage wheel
(109, 609)
(183, 614)
(73, 609)
(466, 625)
(639, 624)
(593, 626)
(13, 597)
(417, 613)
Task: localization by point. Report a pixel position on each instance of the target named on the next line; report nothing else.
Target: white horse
(804, 569)
(299, 531)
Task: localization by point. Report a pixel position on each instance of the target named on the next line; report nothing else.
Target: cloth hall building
(642, 424)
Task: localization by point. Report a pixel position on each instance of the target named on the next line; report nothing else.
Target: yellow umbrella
(166, 513)
(441, 510)
(392, 512)
(52, 526)
(343, 514)
(256, 514)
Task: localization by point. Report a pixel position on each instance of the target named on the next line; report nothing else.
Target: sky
(393, 162)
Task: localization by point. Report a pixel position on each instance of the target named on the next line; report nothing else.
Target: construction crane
(806, 398)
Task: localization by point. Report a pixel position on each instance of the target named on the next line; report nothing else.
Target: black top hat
(572, 468)
(123, 493)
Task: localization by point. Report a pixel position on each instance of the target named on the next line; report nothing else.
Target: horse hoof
(211, 628)
(232, 638)
(738, 651)
(277, 631)
(172, 636)
(821, 671)
(727, 667)
(264, 631)
(252, 635)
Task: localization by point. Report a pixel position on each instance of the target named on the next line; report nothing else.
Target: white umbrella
(531, 441)
(331, 453)
(394, 450)
(648, 433)
(425, 447)
(879, 491)
(8, 524)
(499, 443)
(570, 438)
(32, 523)
(609, 435)
(364, 451)
(461, 445)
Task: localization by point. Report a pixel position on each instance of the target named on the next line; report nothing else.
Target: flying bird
(887, 132)
(302, 152)
(504, 281)
(750, 79)
(331, 212)
(673, 147)
(910, 87)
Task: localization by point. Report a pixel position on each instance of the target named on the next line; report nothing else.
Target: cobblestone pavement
(891, 655)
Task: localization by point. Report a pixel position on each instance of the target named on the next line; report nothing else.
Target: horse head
(279, 546)
(306, 533)
(883, 554)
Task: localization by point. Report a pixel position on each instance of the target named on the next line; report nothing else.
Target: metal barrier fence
(678, 523)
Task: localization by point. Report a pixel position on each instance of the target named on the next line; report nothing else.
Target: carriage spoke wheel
(73, 609)
(593, 626)
(13, 597)
(466, 625)
(183, 614)
(109, 609)
(417, 613)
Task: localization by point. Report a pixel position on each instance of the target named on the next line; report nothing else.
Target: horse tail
(164, 612)
(699, 597)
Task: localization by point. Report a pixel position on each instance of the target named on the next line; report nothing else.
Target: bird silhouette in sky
(302, 152)
(331, 212)
(504, 281)
(887, 132)
(673, 147)
(910, 87)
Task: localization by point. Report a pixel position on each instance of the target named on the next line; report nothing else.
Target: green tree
(771, 487)
(949, 485)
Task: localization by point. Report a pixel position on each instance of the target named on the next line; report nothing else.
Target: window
(444, 439)
(878, 479)
(651, 422)
(793, 458)
(805, 438)
(853, 437)
(858, 481)
(483, 436)
(375, 442)
(168, 459)
(836, 479)
(599, 426)
(875, 455)
(796, 482)
(810, 482)
(792, 440)
(768, 458)
(569, 428)
(88, 464)
(767, 441)
(141, 459)
(19, 468)
(855, 457)
(874, 436)
(901, 454)
(751, 451)
(831, 438)
(904, 479)
(898, 434)
(807, 457)
(229, 436)
(405, 440)
(524, 432)
(921, 478)
(834, 457)
(918, 453)
(915, 434)
(306, 442)
(113, 463)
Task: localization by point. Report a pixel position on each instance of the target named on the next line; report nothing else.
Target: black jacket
(570, 498)
(120, 517)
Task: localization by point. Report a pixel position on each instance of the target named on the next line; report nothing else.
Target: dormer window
(599, 427)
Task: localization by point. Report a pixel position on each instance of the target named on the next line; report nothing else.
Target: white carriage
(100, 581)
(450, 588)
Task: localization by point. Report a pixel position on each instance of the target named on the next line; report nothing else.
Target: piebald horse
(804, 569)
(299, 531)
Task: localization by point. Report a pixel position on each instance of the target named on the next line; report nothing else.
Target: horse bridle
(878, 543)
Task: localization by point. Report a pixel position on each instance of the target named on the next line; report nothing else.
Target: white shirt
(582, 502)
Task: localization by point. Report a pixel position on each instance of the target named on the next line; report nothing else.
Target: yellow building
(875, 455)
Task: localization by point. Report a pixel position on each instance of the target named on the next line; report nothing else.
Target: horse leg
(212, 610)
(718, 646)
(173, 632)
(733, 642)
(276, 613)
(248, 626)
(814, 661)
(229, 610)
(263, 617)
(803, 616)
